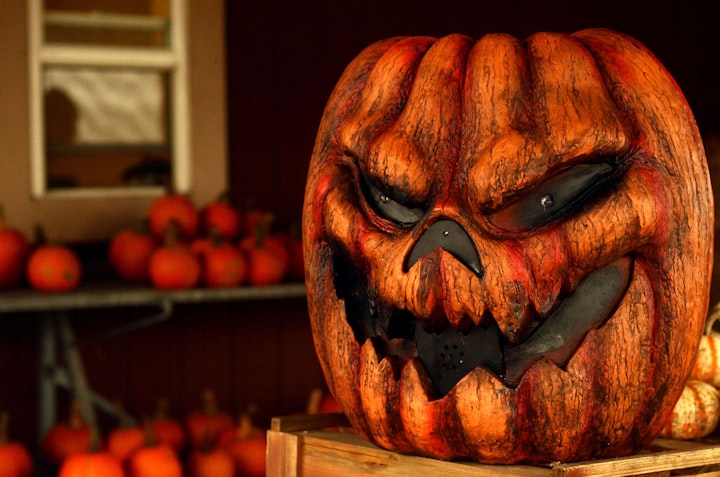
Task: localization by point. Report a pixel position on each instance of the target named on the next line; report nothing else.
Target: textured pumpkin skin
(461, 130)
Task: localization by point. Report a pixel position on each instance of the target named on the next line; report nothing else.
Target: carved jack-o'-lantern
(508, 245)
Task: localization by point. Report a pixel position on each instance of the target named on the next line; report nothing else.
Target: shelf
(114, 294)
(55, 330)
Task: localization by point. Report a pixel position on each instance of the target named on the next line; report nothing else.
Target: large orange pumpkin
(508, 245)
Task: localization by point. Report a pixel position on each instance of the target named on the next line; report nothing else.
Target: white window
(109, 107)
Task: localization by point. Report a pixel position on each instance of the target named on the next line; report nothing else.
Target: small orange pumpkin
(92, 464)
(223, 265)
(173, 266)
(14, 251)
(124, 439)
(154, 459)
(54, 268)
(93, 461)
(173, 208)
(129, 254)
(208, 422)
(221, 217)
(167, 430)
(15, 460)
(209, 460)
(66, 437)
(247, 446)
(268, 257)
(695, 414)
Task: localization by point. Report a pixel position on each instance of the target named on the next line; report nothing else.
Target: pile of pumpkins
(218, 245)
(180, 246)
(207, 442)
(697, 412)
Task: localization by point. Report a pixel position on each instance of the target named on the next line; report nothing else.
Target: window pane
(141, 23)
(106, 126)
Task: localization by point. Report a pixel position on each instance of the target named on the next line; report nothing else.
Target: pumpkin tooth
(481, 403)
(423, 416)
(379, 396)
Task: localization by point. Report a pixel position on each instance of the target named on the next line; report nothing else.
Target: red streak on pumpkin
(322, 190)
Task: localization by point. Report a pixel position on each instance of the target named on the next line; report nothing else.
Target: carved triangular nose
(451, 237)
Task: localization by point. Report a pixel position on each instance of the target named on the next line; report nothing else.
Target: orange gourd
(91, 462)
(247, 446)
(221, 217)
(127, 437)
(15, 460)
(14, 251)
(508, 245)
(173, 208)
(223, 265)
(707, 363)
(65, 438)
(209, 460)
(167, 429)
(208, 422)
(695, 414)
(267, 256)
(154, 459)
(129, 254)
(53, 268)
(173, 266)
(94, 464)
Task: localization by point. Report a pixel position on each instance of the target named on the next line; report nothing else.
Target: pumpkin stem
(224, 197)
(95, 441)
(245, 426)
(4, 428)
(209, 402)
(262, 229)
(216, 238)
(75, 420)
(151, 439)
(41, 237)
(161, 411)
(172, 233)
(313, 405)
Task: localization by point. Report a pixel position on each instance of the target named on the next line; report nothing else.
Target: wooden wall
(283, 59)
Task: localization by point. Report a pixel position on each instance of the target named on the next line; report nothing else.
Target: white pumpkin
(695, 414)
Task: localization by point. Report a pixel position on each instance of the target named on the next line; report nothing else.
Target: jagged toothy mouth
(448, 355)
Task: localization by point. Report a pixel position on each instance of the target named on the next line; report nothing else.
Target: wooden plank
(641, 463)
(306, 422)
(321, 452)
(329, 454)
(282, 455)
(114, 294)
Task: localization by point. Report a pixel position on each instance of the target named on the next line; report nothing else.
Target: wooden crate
(321, 445)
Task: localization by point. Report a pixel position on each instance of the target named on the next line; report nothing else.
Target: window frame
(172, 60)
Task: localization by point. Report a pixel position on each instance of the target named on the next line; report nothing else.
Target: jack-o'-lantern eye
(555, 198)
(388, 207)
